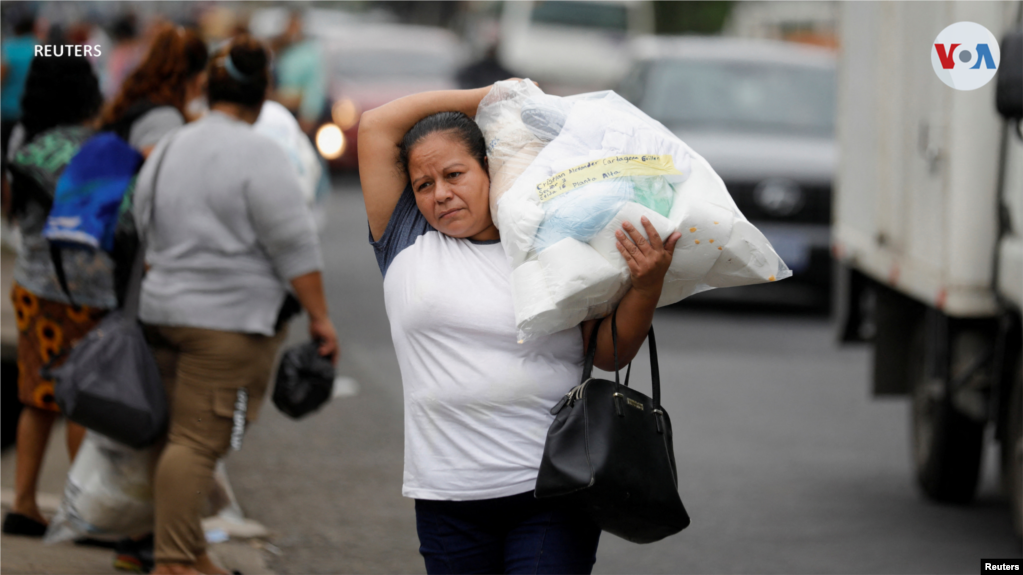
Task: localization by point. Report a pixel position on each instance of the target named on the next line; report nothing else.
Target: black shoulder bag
(609, 452)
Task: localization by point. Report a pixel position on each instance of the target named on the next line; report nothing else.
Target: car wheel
(947, 444)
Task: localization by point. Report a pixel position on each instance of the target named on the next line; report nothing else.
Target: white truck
(926, 236)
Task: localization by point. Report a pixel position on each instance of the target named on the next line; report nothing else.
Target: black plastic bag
(305, 380)
(110, 383)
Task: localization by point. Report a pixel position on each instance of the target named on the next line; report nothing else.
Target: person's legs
(550, 538)
(45, 329)
(34, 428)
(183, 477)
(211, 367)
(197, 437)
(37, 332)
(75, 436)
(137, 553)
(459, 537)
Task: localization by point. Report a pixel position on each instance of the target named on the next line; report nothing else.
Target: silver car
(762, 113)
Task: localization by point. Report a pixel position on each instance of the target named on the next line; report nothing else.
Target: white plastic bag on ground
(567, 172)
(108, 494)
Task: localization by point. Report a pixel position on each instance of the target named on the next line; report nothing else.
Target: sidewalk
(30, 555)
(27, 555)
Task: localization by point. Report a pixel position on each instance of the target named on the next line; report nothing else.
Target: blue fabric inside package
(581, 213)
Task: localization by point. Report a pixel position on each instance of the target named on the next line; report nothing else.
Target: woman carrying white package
(477, 401)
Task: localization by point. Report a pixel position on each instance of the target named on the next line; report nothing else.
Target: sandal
(134, 555)
(18, 524)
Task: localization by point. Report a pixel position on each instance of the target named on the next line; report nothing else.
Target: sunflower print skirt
(45, 328)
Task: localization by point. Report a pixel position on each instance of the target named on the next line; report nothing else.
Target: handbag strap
(138, 267)
(655, 372)
(614, 344)
(591, 352)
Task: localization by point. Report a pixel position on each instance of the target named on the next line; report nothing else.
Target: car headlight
(779, 197)
(330, 141)
(345, 113)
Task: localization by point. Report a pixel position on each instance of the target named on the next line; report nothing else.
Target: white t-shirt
(476, 401)
(276, 122)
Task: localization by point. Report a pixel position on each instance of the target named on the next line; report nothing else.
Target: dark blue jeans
(516, 534)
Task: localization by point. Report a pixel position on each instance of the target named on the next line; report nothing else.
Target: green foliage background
(696, 17)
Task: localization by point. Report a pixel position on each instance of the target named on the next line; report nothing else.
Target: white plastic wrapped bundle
(566, 173)
(512, 145)
(109, 492)
(576, 274)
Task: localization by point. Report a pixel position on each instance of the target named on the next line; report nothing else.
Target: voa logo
(965, 56)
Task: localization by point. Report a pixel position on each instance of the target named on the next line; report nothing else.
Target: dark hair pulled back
(59, 91)
(239, 73)
(462, 127)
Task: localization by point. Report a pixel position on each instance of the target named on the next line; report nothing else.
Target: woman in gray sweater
(227, 231)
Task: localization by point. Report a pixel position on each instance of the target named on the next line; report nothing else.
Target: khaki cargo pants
(202, 370)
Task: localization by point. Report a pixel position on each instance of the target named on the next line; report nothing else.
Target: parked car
(372, 64)
(571, 46)
(762, 113)
(266, 23)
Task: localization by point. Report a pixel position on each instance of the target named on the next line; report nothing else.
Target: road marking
(345, 386)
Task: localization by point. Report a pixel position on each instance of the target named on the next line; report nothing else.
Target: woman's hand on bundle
(648, 260)
(648, 263)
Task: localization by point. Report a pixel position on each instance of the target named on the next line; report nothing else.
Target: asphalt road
(786, 464)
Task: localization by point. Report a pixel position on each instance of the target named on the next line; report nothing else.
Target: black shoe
(135, 555)
(18, 524)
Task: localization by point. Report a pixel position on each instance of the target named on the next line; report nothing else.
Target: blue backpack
(87, 201)
(92, 200)
(89, 193)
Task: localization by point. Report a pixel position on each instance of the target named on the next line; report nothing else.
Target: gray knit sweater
(231, 228)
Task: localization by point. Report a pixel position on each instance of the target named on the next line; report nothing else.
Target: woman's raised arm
(380, 133)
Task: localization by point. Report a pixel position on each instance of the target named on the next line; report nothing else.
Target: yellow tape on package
(605, 169)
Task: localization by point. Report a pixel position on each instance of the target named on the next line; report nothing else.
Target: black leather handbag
(609, 452)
